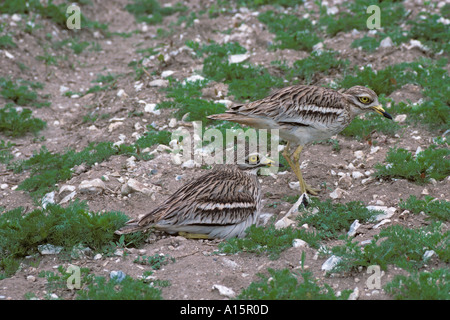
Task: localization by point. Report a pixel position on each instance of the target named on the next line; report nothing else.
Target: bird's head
(255, 161)
(363, 99)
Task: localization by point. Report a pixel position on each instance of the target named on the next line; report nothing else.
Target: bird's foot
(189, 235)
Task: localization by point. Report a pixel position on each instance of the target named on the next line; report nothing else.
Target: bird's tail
(130, 227)
(238, 118)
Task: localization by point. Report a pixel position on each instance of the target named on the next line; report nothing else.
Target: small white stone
(227, 103)
(172, 123)
(15, 17)
(297, 243)
(283, 223)
(194, 78)
(353, 227)
(357, 175)
(338, 193)
(94, 186)
(224, 291)
(238, 58)
(400, 118)
(159, 83)
(4, 186)
(167, 73)
(381, 223)
(359, 154)
(374, 149)
(428, 254)
(386, 43)
(330, 263)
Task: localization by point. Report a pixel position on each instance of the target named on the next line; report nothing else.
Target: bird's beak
(270, 163)
(379, 109)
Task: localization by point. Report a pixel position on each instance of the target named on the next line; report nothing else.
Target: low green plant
(326, 221)
(16, 124)
(268, 240)
(291, 32)
(367, 43)
(329, 219)
(49, 10)
(432, 32)
(5, 154)
(433, 162)
(151, 12)
(22, 92)
(21, 234)
(258, 3)
(152, 137)
(126, 289)
(353, 15)
(318, 63)
(363, 128)
(47, 169)
(238, 76)
(7, 42)
(433, 285)
(98, 288)
(398, 245)
(434, 208)
(155, 262)
(285, 285)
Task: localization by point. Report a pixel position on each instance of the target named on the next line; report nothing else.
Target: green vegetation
(21, 234)
(127, 289)
(434, 208)
(47, 169)
(366, 43)
(51, 11)
(434, 285)
(355, 17)
(186, 99)
(151, 12)
(22, 92)
(155, 262)
(239, 76)
(98, 288)
(5, 154)
(317, 64)
(153, 137)
(258, 3)
(291, 32)
(432, 162)
(398, 245)
(325, 219)
(430, 32)
(16, 124)
(362, 128)
(285, 285)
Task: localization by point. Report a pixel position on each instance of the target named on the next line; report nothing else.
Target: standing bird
(304, 114)
(219, 204)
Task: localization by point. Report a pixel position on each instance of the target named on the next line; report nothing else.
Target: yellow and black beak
(270, 163)
(379, 109)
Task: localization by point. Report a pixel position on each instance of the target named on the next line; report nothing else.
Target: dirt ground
(196, 269)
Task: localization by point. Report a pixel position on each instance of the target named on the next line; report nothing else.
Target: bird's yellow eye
(364, 99)
(253, 159)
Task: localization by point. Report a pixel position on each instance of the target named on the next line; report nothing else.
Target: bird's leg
(189, 235)
(304, 187)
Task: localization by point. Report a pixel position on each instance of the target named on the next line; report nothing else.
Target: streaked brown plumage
(219, 204)
(304, 114)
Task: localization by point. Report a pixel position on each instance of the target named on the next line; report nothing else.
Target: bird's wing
(297, 105)
(218, 197)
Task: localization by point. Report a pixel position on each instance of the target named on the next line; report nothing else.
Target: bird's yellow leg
(304, 187)
(188, 235)
(295, 167)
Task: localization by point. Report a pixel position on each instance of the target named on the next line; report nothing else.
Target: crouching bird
(219, 204)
